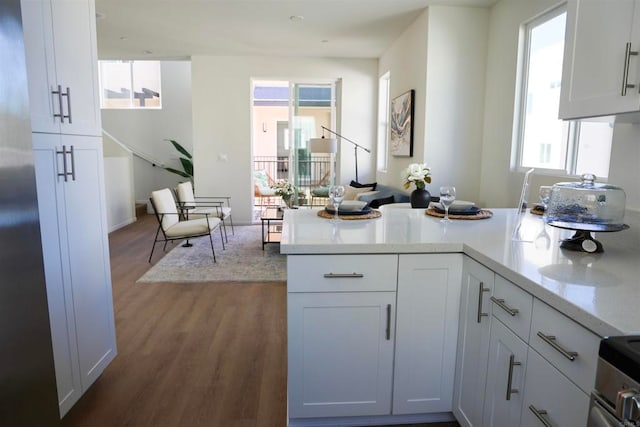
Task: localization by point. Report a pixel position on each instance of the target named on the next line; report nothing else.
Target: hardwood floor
(188, 354)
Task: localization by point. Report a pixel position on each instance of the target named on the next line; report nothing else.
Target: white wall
(442, 56)
(499, 186)
(145, 130)
(625, 162)
(221, 92)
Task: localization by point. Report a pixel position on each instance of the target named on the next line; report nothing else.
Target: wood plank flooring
(191, 355)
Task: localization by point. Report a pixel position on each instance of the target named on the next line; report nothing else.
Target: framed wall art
(401, 124)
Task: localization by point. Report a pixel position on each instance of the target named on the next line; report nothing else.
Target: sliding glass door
(311, 106)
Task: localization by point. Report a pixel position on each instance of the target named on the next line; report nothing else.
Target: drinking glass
(447, 197)
(544, 192)
(336, 196)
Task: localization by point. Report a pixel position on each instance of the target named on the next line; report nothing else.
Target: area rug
(243, 260)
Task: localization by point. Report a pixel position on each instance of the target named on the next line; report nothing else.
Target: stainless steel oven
(616, 398)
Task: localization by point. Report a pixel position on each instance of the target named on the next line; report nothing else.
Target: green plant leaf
(177, 172)
(180, 148)
(187, 165)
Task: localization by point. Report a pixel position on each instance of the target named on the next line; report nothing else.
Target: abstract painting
(401, 123)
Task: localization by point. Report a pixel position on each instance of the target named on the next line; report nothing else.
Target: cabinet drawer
(513, 306)
(551, 397)
(565, 340)
(341, 273)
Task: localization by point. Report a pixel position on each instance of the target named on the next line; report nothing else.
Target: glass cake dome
(586, 206)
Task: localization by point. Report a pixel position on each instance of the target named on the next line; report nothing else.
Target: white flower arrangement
(418, 174)
(284, 189)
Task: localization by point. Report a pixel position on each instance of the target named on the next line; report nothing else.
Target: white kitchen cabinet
(473, 343)
(340, 353)
(598, 64)
(76, 256)
(426, 332)
(550, 397)
(505, 377)
(60, 49)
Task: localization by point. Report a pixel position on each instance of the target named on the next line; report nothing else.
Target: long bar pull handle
(64, 172)
(625, 72)
(343, 275)
(500, 302)
(540, 415)
(68, 95)
(59, 93)
(73, 162)
(480, 292)
(551, 340)
(388, 331)
(510, 389)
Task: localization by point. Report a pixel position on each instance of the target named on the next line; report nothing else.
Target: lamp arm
(346, 139)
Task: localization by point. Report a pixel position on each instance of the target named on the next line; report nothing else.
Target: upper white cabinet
(426, 332)
(60, 45)
(601, 68)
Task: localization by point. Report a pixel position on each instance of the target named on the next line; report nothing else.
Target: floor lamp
(328, 146)
(355, 146)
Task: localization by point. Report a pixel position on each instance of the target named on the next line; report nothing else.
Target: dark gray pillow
(375, 204)
(371, 185)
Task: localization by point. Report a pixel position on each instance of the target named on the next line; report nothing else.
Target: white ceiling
(166, 29)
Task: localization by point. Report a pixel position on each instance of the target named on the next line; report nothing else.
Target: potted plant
(286, 190)
(420, 175)
(185, 161)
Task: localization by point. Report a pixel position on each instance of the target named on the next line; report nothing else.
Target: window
(383, 121)
(130, 84)
(542, 140)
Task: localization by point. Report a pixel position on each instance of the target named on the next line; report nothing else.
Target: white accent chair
(166, 211)
(195, 207)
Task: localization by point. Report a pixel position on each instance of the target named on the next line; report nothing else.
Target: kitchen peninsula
(386, 315)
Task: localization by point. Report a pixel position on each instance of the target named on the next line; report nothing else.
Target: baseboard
(438, 417)
(122, 224)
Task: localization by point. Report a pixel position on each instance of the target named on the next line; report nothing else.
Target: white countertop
(600, 291)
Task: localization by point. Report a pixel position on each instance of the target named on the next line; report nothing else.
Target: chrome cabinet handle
(625, 71)
(551, 340)
(59, 93)
(480, 292)
(388, 331)
(65, 172)
(511, 390)
(500, 302)
(68, 95)
(540, 415)
(343, 275)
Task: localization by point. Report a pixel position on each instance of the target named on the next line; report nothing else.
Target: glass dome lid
(586, 205)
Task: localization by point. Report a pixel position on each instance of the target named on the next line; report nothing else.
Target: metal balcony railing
(313, 170)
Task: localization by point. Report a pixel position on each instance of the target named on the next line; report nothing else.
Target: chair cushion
(320, 192)
(221, 212)
(165, 204)
(184, 191)
(192, 227)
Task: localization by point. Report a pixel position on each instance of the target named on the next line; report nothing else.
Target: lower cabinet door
(426, 332)
(505, 377)
(340, 353)
(550, 397)
(473, 343)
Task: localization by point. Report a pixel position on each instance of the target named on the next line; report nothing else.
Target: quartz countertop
(599, 291)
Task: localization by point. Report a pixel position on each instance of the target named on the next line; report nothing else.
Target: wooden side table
(271, 220)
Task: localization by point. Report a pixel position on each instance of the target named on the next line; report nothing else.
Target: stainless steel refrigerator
(28, 395)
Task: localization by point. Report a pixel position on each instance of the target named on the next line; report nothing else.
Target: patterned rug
(243, 260)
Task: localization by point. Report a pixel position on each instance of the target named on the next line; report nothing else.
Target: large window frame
(130, 84)
(384, 105)
(573, 159)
